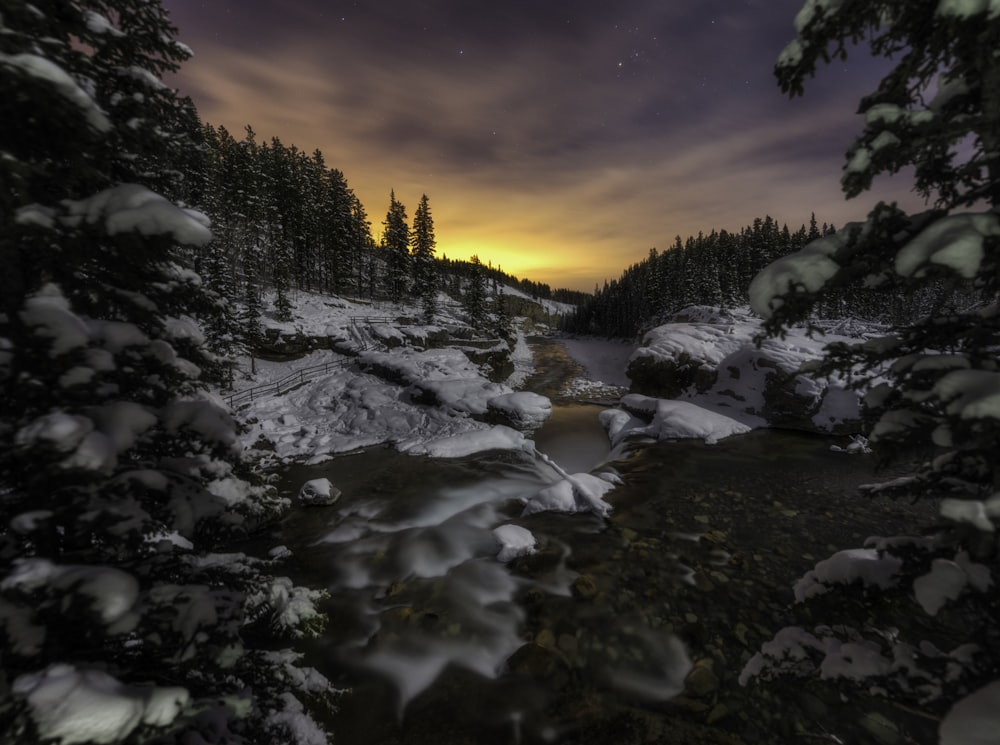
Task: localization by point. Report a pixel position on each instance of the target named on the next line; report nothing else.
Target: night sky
(559, 139)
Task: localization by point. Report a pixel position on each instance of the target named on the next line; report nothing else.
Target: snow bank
(711, 358)
(579, 492)
(677, 420)
(469, 443)
(524, 409)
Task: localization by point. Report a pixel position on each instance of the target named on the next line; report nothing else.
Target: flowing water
(441, 643)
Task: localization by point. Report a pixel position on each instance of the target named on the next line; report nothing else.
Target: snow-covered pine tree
(474, 297)
(396, 243)
(117, 473)
(933, 383)
(425, 279)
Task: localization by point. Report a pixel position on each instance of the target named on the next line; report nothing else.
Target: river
(588, 640)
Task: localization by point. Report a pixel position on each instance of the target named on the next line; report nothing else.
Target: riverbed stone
(584, 587)
(702, 681)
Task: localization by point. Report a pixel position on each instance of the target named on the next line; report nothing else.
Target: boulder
(711, 358)
(318, 493)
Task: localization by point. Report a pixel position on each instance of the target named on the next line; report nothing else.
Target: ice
(514, 541)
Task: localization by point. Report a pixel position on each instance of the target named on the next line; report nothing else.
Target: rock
(545, 638)
(713, 352)
(720, 711)
(584, 587)
(521, 410)
(702, 680)
(318, 493)
(536, 661)
(567, 644)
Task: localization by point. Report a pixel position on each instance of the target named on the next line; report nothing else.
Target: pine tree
(931, 383)
(396, 244)
(474, 299)
(112, 461)
(422, 240)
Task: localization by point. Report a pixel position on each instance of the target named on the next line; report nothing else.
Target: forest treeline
(716, 269)
(283, 220)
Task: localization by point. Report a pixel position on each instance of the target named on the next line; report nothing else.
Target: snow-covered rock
(579, 492)
(523, 409)
(318, 492)
(709, 357)
(671, 420)
(514, 541)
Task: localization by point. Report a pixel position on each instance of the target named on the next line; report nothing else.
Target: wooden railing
(286, 383)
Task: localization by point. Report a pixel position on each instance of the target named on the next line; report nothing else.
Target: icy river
(590, 638)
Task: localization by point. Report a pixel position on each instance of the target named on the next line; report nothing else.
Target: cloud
(560, 140)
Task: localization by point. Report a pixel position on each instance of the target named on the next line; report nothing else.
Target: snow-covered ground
(425, 401)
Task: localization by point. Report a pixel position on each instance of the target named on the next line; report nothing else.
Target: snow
(972, 511)
(675, 420)
(70, 705)
(814, 9)
(857, 564)
(45, 70)
(48, 313)
(318, 492)
(525, 409)
(947, 580)
(720, 346)
(806, 270)
(970, 394)
(860, 162)
(205, 417)
(964, 9)
(514, 541)
(955, 242)
(975, 719)
(462, 445)
(132, 207)
(579, 492)
(295, 723)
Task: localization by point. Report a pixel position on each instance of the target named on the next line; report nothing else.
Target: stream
(589, 639)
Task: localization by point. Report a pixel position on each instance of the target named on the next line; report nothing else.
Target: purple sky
(560, 139)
